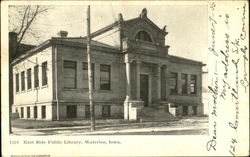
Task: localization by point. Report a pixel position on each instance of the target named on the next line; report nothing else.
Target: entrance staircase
(156, 112)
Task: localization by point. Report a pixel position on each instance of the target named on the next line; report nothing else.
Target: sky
(187, 25)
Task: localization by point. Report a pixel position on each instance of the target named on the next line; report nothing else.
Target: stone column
(138, 71)
(128, 79)
(159, 82)
(163, 82)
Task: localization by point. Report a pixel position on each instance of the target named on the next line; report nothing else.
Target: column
(128, 79)
(158, 81)
(138, 71)
(163, 83)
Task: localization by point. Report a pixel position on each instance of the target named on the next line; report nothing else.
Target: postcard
(124, 78)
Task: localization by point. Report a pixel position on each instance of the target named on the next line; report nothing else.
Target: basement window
(106, 111)
(87, 111)
(43, 112)
(21, 112)
(28, 112)
(35, 112)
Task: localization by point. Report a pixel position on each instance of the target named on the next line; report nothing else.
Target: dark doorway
(144, 88)
(71, 111)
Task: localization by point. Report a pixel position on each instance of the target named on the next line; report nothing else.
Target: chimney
(63, 34)
(12, 45)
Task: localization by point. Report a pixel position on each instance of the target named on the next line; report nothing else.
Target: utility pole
(90, 82)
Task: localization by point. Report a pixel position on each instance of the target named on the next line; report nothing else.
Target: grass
(34, 124)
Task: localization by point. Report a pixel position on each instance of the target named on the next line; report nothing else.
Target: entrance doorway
(71, 111)
(144, 91)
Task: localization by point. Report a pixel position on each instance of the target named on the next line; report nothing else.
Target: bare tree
(22, 18)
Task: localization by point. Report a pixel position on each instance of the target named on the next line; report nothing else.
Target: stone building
(131, 67)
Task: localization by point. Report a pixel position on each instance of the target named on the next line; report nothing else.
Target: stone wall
(34, 95)
(117, 92)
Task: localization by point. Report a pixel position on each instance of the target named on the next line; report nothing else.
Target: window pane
(36, 77)
(17, 82)
(69, 74)
(184, 83)
(193, 84)
(173, 83)
(85, 75)
(29, 78)
(143, 35)
(44, 73)
(105, 77)
(22, 81)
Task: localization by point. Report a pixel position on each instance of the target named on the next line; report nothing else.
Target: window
(22, 81)
(36, 77)
(143, 35)
(35, 111)
(106, 111)
(173, 83)
(87, 111)
(71, 111)
(184, 83)
(43, 112)
(29, 78)
(193, 84)
(17, 82)
(85, 75)
(104, 77)
(194, 110)
(28, 112)
(21, 112)
(69, 74)
(44, 74)
(185, 111)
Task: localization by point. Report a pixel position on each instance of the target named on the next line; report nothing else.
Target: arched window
(142, 35)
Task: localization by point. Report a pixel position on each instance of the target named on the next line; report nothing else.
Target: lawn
(36, 124)
(33, 124)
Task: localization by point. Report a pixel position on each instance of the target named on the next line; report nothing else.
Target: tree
(22, 18)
